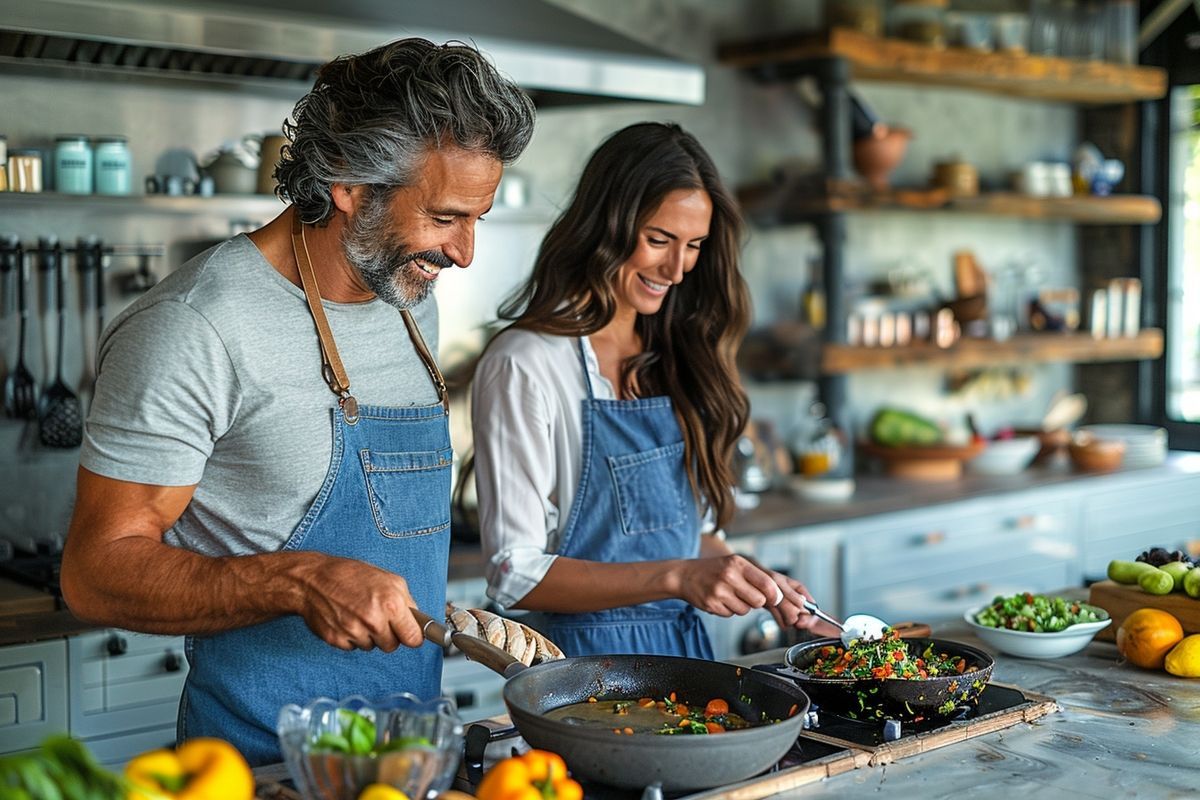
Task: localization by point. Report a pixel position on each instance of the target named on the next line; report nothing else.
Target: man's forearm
(143, 585)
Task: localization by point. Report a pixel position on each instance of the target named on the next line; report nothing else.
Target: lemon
(381, 791)
(1184, 658)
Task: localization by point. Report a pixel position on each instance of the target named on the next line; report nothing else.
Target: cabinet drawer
(877, 559)
(476, 689)
(114, 751)
(122, 681)
(942, 597)
(33, 693)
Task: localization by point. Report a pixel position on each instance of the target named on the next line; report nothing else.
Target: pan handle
(473, 647)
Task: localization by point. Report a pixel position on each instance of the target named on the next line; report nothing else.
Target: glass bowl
(1027, 644)
(334, 749)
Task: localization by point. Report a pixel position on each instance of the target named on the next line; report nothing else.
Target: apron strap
(587, 375)
(332, 369)
(431, 366)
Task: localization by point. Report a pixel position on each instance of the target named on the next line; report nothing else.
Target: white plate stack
(1145, 445)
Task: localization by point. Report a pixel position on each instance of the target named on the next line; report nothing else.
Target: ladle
(856, 626)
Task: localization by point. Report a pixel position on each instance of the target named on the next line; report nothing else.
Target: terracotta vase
(876, 156)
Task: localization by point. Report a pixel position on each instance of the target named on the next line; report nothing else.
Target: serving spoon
(856, 626)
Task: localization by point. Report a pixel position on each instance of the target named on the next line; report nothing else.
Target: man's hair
(370, 118)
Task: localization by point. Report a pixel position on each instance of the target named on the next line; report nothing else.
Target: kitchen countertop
(1122, 732)
(778, 511)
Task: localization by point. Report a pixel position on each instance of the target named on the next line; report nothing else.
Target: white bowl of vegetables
(1036, 625)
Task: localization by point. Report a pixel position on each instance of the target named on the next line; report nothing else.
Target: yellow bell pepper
(199, 769)
(536, 775)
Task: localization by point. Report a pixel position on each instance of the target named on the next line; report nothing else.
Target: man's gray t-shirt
(213, 378)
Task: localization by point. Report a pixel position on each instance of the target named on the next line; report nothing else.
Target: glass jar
(3, 163)
(114, 172)
(25, 170)
(864, 16)
(922, 21)
(72, 164)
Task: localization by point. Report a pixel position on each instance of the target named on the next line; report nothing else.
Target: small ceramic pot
(876, 156)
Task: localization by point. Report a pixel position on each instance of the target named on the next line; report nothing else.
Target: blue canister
(72, 164)
(114, 173)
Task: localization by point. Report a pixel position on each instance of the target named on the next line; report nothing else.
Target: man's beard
(372, 247)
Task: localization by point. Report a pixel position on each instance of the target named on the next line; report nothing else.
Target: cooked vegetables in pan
(667, 716)
(1037, 613)
(889, 657)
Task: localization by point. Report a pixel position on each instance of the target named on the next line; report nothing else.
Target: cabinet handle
(930, 539)
(1031, 522)
(172, 662)
(464, 698)
(116, 645)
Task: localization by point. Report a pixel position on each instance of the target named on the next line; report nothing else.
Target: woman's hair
(690, 345)
(370, 119)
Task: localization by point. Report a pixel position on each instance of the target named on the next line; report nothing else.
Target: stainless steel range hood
(558, 57)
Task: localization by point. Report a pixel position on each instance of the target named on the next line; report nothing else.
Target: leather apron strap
(332, 369)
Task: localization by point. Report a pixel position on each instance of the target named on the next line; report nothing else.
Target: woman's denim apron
(385, 501)
(633, 503)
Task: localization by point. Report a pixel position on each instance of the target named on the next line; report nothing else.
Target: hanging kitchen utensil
(48, 252)
(633, 761)
(61, 422)
(8, 301)
(20, 389)
(87, 261)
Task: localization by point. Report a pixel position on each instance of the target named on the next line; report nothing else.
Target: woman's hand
(791, 613)
(728, 585)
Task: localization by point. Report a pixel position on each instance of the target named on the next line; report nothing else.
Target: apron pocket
(647, 488)
(409, 492)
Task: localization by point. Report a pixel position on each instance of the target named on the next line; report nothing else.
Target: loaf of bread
(519, 641)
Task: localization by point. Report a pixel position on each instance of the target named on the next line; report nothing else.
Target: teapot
(234, 169)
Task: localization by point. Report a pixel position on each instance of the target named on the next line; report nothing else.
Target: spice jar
(114, 173)
(25, 170)
(72, 164)
(3, 163)
(921, 21)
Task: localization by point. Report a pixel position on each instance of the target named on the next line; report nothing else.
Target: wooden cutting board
(1120, 601)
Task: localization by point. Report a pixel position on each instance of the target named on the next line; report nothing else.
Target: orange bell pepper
(536, 775)
(199, 769)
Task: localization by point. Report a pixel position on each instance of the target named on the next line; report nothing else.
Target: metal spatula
(61, 422)
(20, 389)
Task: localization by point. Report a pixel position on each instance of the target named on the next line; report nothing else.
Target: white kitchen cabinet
(932, 564)
(33, 693)
(1124, 515)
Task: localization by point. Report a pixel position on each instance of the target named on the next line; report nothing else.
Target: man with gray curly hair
(234, 485)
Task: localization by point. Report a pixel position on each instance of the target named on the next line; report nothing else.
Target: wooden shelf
(973, 353)
(872, 58)
(779, 206)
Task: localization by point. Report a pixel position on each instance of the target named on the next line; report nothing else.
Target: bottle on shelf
(812, 300)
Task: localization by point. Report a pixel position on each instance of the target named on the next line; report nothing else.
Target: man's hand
(351, 604)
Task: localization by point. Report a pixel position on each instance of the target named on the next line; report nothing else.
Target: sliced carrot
(714, 727)
(716, 708)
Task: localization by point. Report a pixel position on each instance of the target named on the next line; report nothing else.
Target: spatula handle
(812, 608)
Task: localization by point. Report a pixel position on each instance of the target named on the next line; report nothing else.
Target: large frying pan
(680, 763)
(892, 698)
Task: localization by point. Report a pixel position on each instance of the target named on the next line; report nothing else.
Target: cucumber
(1128, 572)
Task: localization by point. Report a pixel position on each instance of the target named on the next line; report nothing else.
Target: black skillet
(892, 698)
(680, 763)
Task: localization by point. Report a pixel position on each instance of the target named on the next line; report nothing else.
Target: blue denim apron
(633, 503)
(386, 501)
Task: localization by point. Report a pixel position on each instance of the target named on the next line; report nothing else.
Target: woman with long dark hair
(605, 416)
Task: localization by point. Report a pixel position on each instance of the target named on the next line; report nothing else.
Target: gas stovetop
(825, 738)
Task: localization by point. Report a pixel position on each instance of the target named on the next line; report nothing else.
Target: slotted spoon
(61, 422)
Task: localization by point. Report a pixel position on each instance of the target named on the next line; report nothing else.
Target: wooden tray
(929, 463)
(1120, 601)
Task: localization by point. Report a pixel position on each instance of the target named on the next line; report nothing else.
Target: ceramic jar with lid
(114, 171)
(73, 164)
(864, 16)
(922, 21)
